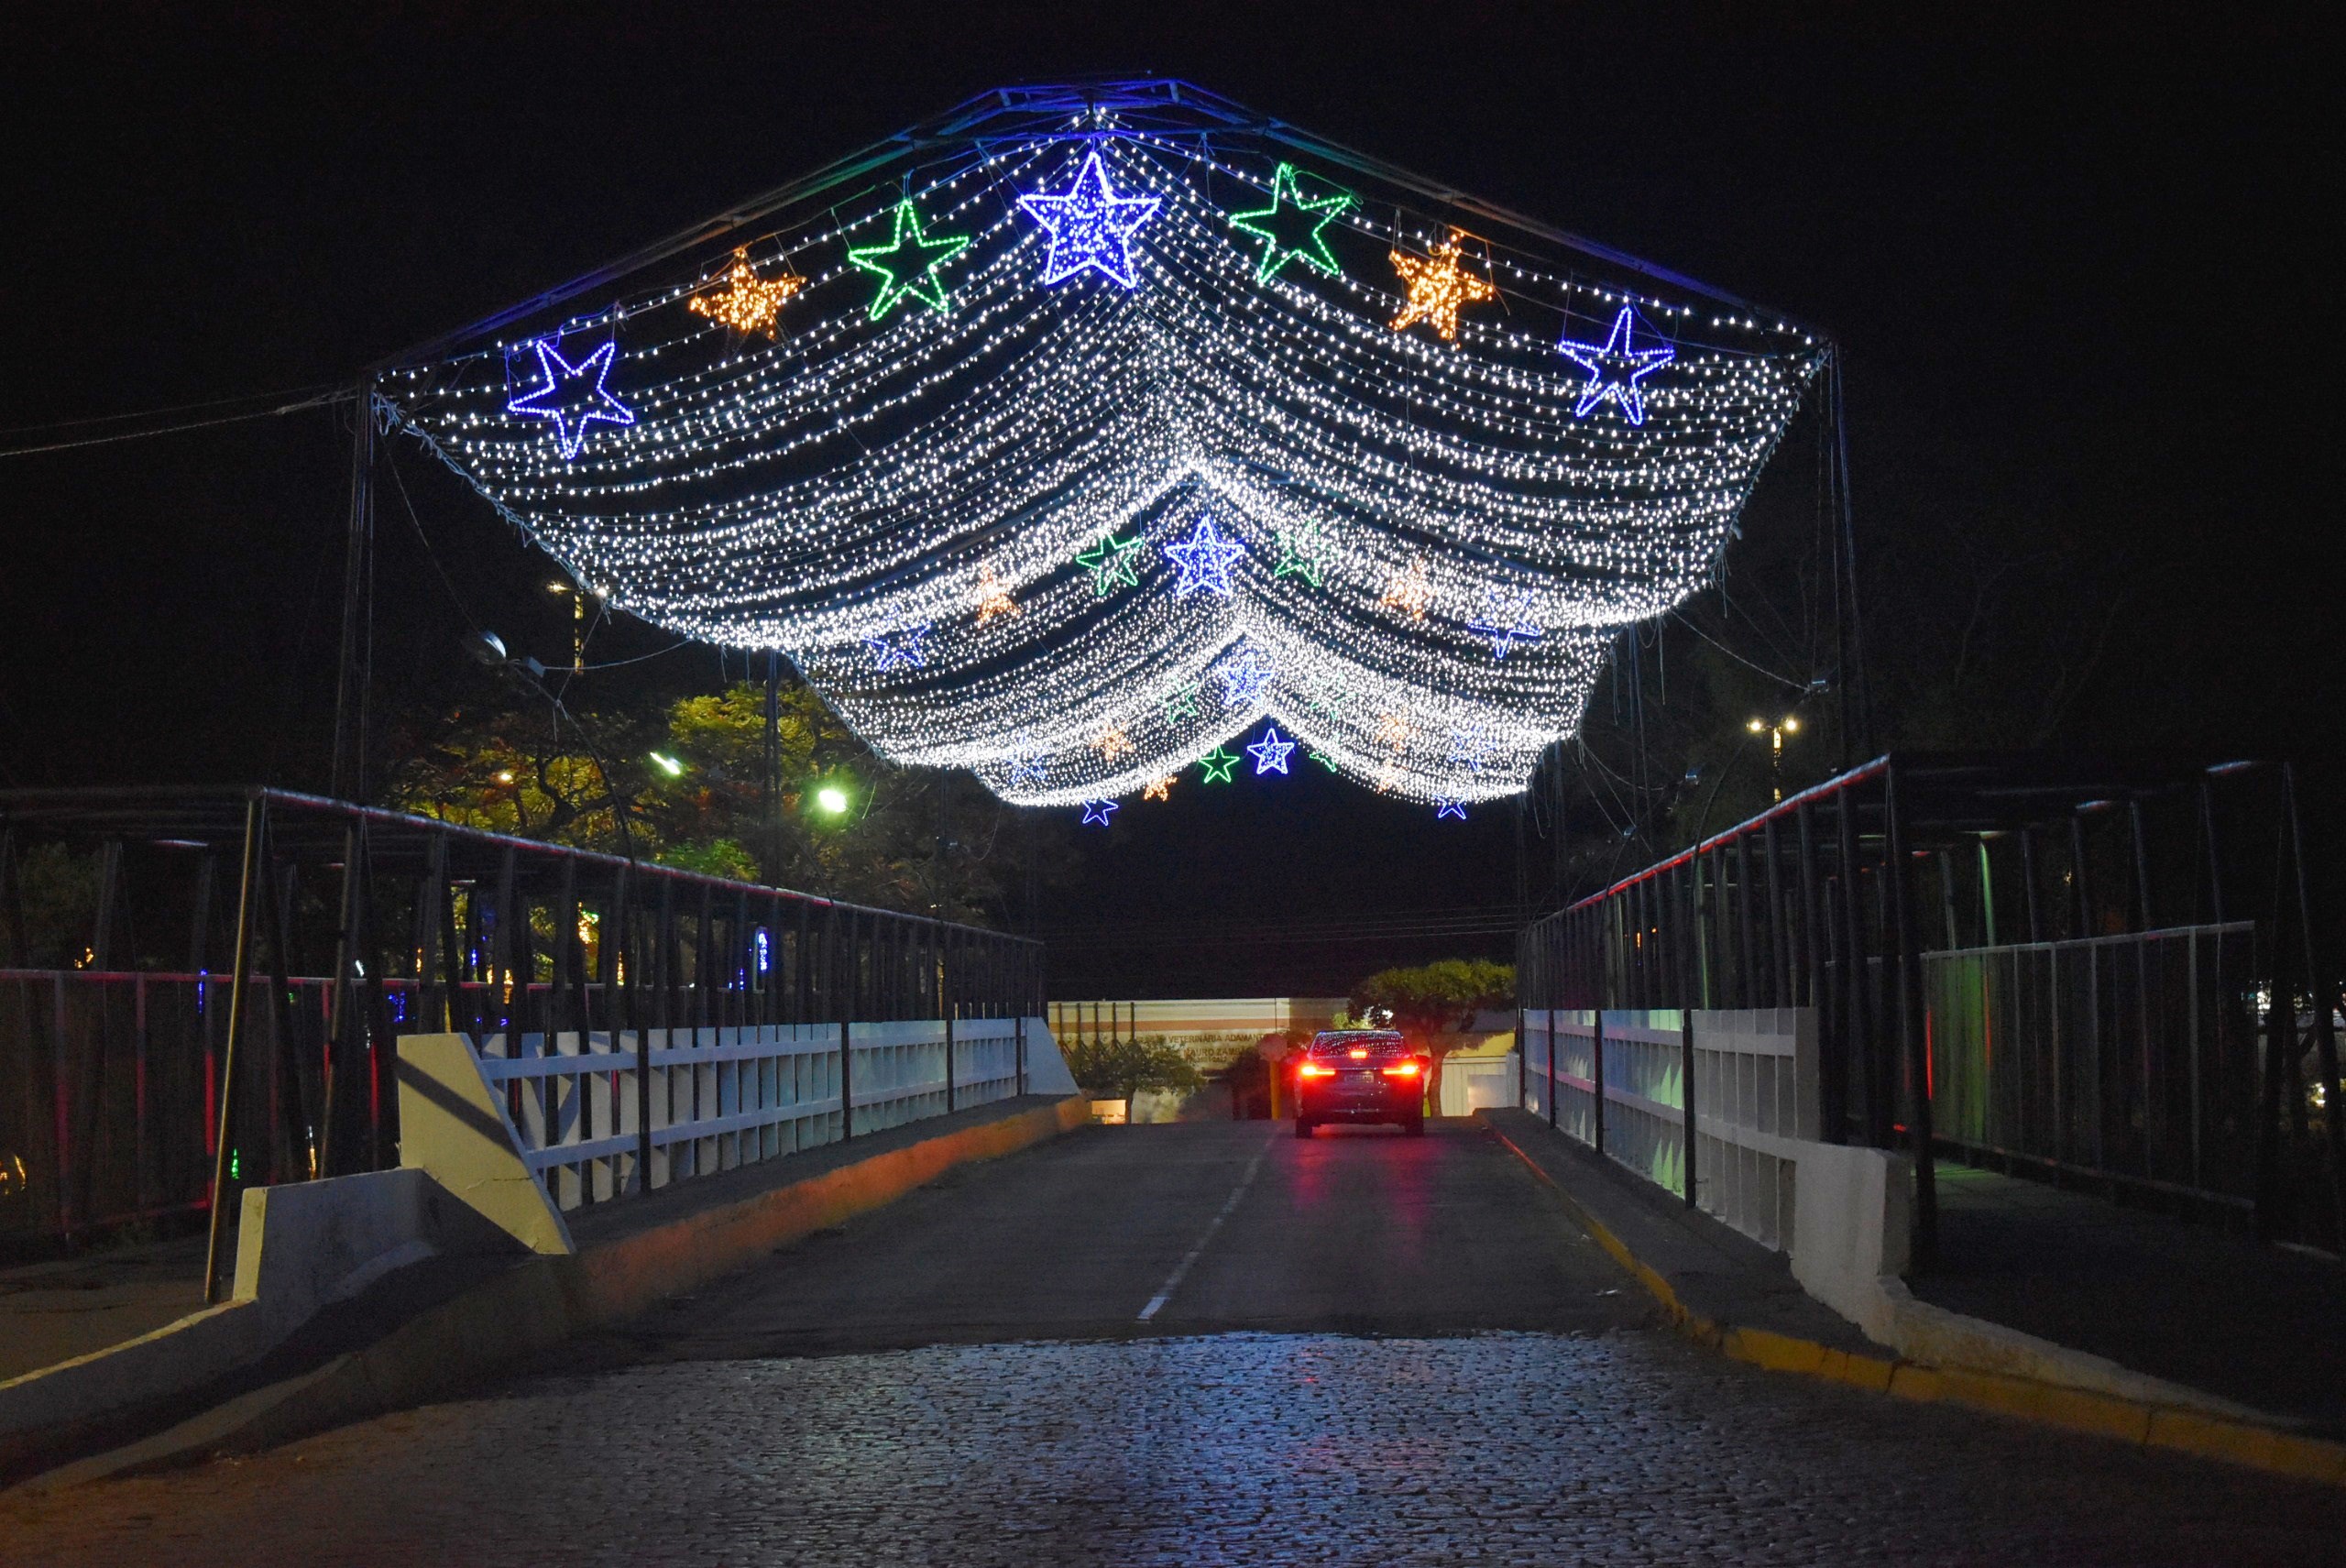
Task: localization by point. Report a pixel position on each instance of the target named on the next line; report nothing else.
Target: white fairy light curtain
(1107, 457)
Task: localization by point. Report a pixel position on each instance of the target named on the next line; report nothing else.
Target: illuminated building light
(907, 264)
(748, 303)
(1614, 367)
(1438, 288)
(1292, 227)
(1270, 753)
(569, 398)
(1090, 225)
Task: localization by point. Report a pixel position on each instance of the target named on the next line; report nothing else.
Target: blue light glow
(1471, 747)
(762, 945)
(1506, 629)
(1204, 560)
(1449, 807)
(1245, 675)
(569, 398)
(1614, 368)
(1090, 225)
(1270, 752)
(893, 650)
(1028, 768)
(1098, 811)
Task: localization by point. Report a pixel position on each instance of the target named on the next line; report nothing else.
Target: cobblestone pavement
(1624, 1447)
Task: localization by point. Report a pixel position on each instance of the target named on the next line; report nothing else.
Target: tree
(1439, 997)
(1117, 1068)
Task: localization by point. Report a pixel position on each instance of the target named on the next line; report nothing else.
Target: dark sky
(2064, 253)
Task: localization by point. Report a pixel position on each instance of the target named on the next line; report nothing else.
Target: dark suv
(1360, 1075)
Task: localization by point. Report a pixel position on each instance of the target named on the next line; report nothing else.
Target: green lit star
(1217, 764)
(1110, 562)
(1325, 694)
(1181, 704)
(907, 264)
(1324, 760)
(1299, 554)
(1291, 226)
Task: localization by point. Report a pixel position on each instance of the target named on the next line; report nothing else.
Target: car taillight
(1403, 1069)
(1314, 1070)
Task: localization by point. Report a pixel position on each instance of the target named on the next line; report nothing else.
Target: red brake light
(1314, 1070)
(1404, 1070)
(1360, 1052)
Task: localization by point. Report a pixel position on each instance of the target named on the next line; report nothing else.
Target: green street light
(831, 799)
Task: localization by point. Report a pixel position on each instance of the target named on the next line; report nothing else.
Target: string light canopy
(1121, 411)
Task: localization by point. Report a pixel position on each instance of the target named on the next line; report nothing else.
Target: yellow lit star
(992, 598)
(749, 303)
(1393, 730)
(1408, 592)
(1159, 789)
(1437, 288)
(1112, 743)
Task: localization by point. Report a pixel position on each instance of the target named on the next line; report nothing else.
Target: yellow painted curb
(2047, 1404)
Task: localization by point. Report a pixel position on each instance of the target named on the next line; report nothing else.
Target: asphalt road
(1206, 1344)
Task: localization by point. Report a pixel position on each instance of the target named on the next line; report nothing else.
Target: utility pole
(353, 668)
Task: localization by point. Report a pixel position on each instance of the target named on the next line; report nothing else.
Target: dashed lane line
(1173, 1280)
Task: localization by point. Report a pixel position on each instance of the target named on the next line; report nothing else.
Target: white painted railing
(721, 1098)
(1754, 1099)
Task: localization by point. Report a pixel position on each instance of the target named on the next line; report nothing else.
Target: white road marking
(1173, 1280)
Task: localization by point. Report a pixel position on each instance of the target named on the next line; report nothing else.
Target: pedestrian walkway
(54, 1312)
(2264, 1326)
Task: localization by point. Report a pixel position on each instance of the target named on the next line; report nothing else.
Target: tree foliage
(1117, 1068)
(1438, 997)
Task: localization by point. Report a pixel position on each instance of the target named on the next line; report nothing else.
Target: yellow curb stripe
(2136, 1421)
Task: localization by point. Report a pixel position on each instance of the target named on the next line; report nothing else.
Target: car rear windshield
(1376, 1045)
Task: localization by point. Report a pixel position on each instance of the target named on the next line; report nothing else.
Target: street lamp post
(1788, 725)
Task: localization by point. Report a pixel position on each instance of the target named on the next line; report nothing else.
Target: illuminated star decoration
(1471, 747)
(1159, 789)
(1182, 704)
(992, 598)
(1112, 743)
(1299, 554)
(1027, 768)
(1283, 226)
(907, 264)
(1204, 560)
(569, 398)
(1270, 752)
(1090, 225)
(1324, 760)
(1438, 288)
(1392, 731)
(1110, 562)
(1098, 811)
(1217, 764)
(1245, 674)
(1446, 806)
(1505, 631)
(1614, 368)
(892, 650)
(1327, 694)
(1408, 592)
(749, 303)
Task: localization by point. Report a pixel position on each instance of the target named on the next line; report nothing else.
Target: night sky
(2065, 258)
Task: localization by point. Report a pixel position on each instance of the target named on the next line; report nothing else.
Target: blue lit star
(1204, 560)
(1098, 811)
(1029, 766)
(569, 398)
(1090, 225)
(893, 650)
(1471, 747)
(1270, 752)
(1244, 675)
(1614, 368)
(1506, 630)
(1449, 807)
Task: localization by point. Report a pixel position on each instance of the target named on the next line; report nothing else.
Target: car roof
(1357, 1036)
